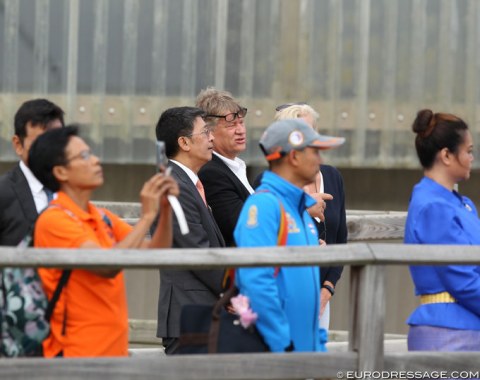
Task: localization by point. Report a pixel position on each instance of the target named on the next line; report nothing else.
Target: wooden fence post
(367, 316)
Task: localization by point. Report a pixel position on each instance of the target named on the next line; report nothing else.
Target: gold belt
(443, 297)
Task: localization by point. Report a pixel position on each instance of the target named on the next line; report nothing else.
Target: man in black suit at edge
(22, 196)
(188, 144)
(225, 176)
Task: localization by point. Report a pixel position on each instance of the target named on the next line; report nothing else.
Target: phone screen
(162, 160)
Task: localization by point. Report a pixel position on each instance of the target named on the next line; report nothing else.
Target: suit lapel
(228, 172)
(216, 228)
(182, 176)
(24, 194)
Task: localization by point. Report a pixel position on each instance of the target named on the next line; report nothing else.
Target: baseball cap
(293, 134)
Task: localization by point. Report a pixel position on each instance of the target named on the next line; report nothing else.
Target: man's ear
(60, 172)
(183, 143)
(17, 144)
(293, 158)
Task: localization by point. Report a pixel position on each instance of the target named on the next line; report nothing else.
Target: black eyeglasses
(241, 113)
(286, 105)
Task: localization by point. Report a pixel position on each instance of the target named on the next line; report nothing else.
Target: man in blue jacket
(287, 300)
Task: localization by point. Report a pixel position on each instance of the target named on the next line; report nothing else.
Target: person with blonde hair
(298, 111)
(330, 217)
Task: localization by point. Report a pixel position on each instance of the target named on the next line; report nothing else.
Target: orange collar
(65, 201)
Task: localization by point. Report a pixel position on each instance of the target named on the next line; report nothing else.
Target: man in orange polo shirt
(90, 318)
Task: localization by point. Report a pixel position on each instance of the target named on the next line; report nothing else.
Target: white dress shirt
(239, 168)
(189, 172)
(36, 188)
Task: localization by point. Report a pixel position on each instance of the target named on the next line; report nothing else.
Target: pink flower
(241, 306)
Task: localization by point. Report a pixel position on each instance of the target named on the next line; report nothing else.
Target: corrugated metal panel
(361, 91)
(40, 50)
(472, 63)
(10, 54)
(389, 47)
(96, 106)
(11, 22)
(247, 49)
(367, 66)
(221, 23)
(189, 47)
(72, 13)
(159, 51)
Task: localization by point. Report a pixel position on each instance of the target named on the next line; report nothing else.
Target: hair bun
(424, 122)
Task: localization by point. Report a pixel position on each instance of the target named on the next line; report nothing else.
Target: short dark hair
(174, 123)
(37, 112)
(47, 151)
(436, 131)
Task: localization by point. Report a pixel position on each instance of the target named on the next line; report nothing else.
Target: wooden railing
(367, 315)
(362, 225)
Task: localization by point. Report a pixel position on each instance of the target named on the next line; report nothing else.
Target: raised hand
(317, 211)
(154, 192)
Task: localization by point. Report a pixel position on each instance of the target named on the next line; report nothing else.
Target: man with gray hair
(225, 176)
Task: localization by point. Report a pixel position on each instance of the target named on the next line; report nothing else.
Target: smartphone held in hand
(162, 160)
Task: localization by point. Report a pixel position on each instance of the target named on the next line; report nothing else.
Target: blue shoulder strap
(105, 218)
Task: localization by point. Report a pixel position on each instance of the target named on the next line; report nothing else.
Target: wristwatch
(329, 288)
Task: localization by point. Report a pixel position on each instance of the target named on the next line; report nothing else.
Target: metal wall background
(367, 66)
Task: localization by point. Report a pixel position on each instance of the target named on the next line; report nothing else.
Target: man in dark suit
(225, 176)
(22, 196)
(188, 144)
